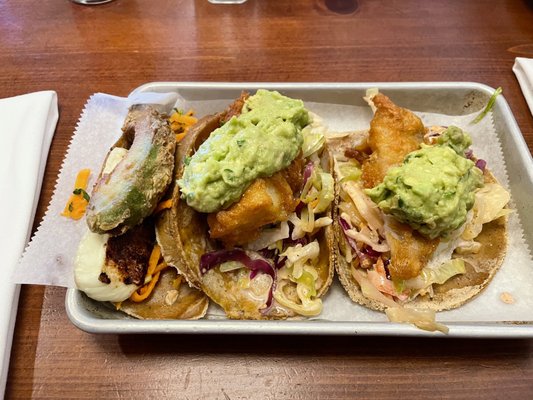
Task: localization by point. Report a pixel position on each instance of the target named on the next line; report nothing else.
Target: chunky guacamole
(434, 187)
(456, 139)
(263, 140)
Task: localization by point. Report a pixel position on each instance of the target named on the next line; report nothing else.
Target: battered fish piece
(410, 251)
(234, 109)
(294, 174)
(266, 201)
(394, 132)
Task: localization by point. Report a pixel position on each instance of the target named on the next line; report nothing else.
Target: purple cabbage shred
(481, 164)
(210, 260)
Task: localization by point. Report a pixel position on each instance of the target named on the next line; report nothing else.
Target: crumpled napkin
(27, 124)
(523, 69)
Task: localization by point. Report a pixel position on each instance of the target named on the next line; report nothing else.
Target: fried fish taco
(420, 223)
(251, 219)
(118, 259)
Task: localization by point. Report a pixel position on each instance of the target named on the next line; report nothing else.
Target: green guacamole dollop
(433, 189)
(263, 140)
(456, 139)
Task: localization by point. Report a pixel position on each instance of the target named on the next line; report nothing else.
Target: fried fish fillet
(266, 201)
(293, 173)
(394, 132)
(410, 251)
(235, 108)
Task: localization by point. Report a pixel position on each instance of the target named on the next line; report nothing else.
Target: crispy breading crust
(394, 132)
(266, 201)
(410, 251)
(138, 183)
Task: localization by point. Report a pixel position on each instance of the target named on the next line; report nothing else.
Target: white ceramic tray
(454, 98)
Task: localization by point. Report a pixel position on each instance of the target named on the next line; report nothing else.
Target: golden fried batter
(235, 108)
(293, 173)
(394, 132)
(410, 251)
(266, 201)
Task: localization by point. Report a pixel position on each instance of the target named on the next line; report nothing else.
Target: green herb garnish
(489, 106)
(84, 194)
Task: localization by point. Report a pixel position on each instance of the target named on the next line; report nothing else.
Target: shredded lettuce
(439, 275)
(365, 235)
(367, 208)
(314, 136)
(307, 280)
(309, 307)
(318, 190)
(488, 205)
(298, 231)
(230, 266)
(423, 319)
(270, 236)
(369, 290)
(383, 284)
(357, 208)
(468, 247)
(318, 193)
(348, 170)
(326, 193)
(313, 142)
(298, 256)
(350, 213)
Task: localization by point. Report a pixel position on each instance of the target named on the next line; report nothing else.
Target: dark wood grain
(113, 48)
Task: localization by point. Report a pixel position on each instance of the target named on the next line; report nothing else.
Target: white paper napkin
(523, 69)
(27, 124)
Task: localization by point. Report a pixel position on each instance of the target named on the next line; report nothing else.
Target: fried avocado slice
(136, 173)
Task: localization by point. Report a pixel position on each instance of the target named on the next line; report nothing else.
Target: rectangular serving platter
(453, 98)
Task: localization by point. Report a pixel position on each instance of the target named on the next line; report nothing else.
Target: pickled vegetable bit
(78, 200)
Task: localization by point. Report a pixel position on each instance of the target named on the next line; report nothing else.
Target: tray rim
(307, 327)
(496, 329)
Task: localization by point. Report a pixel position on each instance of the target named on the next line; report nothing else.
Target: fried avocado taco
(420, 223)
(118, 259)
(251, 218)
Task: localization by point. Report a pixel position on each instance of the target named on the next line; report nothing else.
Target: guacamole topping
(434, 187)
(455, 138)
(263, 140)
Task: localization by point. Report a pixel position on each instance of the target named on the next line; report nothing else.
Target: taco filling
(263, 191)
(409, 199)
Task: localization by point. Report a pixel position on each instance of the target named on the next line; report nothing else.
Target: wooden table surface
(113, 48)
